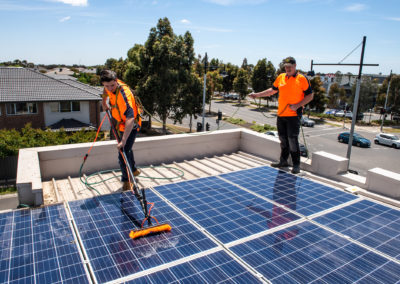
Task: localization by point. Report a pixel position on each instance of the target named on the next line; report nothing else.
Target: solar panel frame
(41, 247)
(372, 224)
(103, 225)
(314, 256)
(298, 194)
(225, 211)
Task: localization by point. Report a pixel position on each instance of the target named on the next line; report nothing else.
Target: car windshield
(395, 137)
(357, 135)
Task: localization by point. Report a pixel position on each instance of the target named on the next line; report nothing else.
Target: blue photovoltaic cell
(104, 224)
(306, 253)
(370, 223)
(299, 194)
(38, 246)
(226, 211)
(218, 267)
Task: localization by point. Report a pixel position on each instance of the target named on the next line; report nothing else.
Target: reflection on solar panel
(304, 196)
(37, 246)
(104, 224)
(372, 224)
(224, 210)
(306, 253)
(218, 267)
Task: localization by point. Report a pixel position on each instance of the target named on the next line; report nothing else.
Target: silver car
(305, 121)
(387, 139)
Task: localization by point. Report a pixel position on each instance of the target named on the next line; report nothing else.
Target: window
(21, 108)
(69, 106)
(54, 107)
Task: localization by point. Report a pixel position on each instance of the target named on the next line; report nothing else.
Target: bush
(262, 128)
(13, 140)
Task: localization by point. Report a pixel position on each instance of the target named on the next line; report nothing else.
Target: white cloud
(236, 2)
(185, 21)
(65, 19)
(74, 2)
(394, 19)
(356, 7)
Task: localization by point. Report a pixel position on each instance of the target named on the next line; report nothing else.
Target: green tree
(320, 100)
(231, 72)
(213, 84)
(336, 96)
(263, 76)
(368, 91)
(241, 83)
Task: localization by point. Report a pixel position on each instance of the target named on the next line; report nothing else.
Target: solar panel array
(38, 246)
(249, 226)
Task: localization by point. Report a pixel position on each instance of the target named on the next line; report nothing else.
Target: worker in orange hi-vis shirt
(294, 92)
(125, 111)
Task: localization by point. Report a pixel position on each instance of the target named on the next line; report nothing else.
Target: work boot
(126, 186)
(296, 169)
(137, 172)
(280, 164)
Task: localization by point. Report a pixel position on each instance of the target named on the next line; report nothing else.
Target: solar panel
(299, 194)
(306, 253)
(37, 246)
(218, 267)
(370, 223)
(224, 210)
(104, 224)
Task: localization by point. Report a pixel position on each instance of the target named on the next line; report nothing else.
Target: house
(60, 71)
(30, 96)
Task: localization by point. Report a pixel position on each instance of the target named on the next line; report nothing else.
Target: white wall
(53, 117)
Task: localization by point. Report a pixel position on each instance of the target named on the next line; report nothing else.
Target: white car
(387, 139)
(340, 113)
(305, 121)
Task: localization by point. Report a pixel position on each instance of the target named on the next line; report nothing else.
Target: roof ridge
(80, 84)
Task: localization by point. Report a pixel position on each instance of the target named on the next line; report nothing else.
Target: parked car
(331, 111)
(358, 140)
(348, 114)
(387, 139)
(303, 149)
(396, 117)
(305, 121)
(340, 113)
(272, 133)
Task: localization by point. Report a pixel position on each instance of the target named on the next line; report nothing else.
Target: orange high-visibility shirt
(123, 105)
(291, 91)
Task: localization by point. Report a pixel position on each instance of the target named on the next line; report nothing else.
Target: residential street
(324, 138)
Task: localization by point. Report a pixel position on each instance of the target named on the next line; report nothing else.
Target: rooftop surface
(234, 219)
(26, 85)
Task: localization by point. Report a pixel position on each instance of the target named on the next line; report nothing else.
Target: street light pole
(387, 94)
(204, 89)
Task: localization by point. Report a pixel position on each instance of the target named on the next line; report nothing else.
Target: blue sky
(90, 31)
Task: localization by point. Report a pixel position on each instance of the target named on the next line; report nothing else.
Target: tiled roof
(26, 85)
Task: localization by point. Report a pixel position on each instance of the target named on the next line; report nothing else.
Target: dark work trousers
(129, 155)
(288, 131)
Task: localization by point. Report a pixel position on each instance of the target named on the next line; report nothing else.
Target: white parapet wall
(384, 182)
(327, 164)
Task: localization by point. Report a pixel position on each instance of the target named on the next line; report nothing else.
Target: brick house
(30, 96)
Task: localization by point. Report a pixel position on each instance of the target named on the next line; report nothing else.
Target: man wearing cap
(294, 93)
(124, 110)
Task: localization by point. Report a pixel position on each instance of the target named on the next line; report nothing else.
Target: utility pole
(355, 105)
(204, 89)
(357, 96)
(387, 94)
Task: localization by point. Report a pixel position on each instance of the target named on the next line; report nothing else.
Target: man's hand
(294, 107)
(253, 95)
(121, 145)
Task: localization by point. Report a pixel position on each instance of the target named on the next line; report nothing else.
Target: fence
(8, 170)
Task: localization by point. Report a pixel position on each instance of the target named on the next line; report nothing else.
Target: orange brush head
(151, 230)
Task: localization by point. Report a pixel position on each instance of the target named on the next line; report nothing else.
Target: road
(324, 138)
